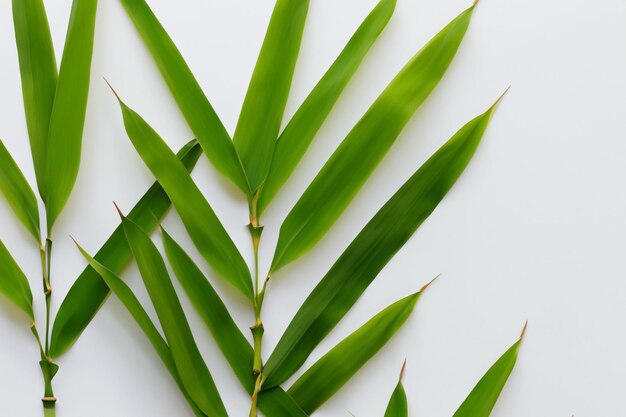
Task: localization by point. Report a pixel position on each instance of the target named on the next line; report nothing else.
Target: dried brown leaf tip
(521, 337)
(430, 283)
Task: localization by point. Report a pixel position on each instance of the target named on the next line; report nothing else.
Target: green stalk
(48, 368)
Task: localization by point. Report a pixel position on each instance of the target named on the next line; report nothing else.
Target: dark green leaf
(264, 105)
(68, 112)
(89, 291)
(192, 369)
(484, 396)
(134, 307)
(18, 193)
(192, 102)
(302, 128)
(370, 251)
(398, 404)
(203, 226)
(277, 403)
(333, 370)
(38, 70)
(358, 155)
(13, 283)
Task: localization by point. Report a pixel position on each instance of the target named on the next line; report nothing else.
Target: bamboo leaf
(193, 371)
(358, 155)
(302, 128)
(264, 105)
(68, 112)
(191, 100)
(333, 370)
(484, 396)
(134, 307)
(38, 71)
(89, 291)
(278, 403)
(370, 251)
(203, 226)
(13, 283)
(18, 193)
(213, 312)
(398, 404)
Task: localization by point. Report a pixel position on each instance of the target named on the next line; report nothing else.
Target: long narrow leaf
(68, 113)
(264, 105)
(134, 307)
(192, 369)
(13, 283)
(203, 226)
(484, 396)
(38, 70)
(191, 100)
(302, 128)
(18, 193)
(398, 405)
(278, 403)
(358, 155)
(333, 370)
(370, 251)
(89, 291)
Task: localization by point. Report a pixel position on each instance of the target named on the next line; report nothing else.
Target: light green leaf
(333, 370)
(358, 155)
(192, 369)
(398, 404)
(264, 105)
(38, 70)
(370, 251)
(194, 105)
(302, 128)
(484, 396)
(89, 291)
(18, 193)
(203, 226)
(13, 283)
(134, 307)
(68, 112)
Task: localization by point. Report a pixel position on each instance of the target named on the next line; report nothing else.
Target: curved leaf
(370, 251)
(132, 304)
(89, 291)
(304, 125)
(13, 283)
(68, 112)
(398, 404)
(194, 105)
(484, 396)
(358, 155)
(264, 105)
(18, 193)
(192, 369)
(329, 374)
(38, 71)
(202, 224)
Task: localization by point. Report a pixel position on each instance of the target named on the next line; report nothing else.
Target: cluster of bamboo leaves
(258, 159)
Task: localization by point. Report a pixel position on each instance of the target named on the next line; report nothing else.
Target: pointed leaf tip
(430, 283)
(119, 211)
(112, 89)
(495, 105)
(521, 337)
(402, 371)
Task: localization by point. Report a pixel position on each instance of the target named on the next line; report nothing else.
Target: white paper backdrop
(534, 230)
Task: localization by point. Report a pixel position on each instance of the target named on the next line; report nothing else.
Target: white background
(535, 229)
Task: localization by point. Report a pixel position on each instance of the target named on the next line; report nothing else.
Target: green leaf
(370, 251)
(213, 312)
(264, 105)
(302, 128)
(38, 70)
(203, 226)
(484, 396)
(89, 291)
(358, 155)
(18, 193)
(193, 371)
(278, 403)
(333, 370)
(398, 404)
(193, 104)
(134, 307)
(13, 283)
(68, 112)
